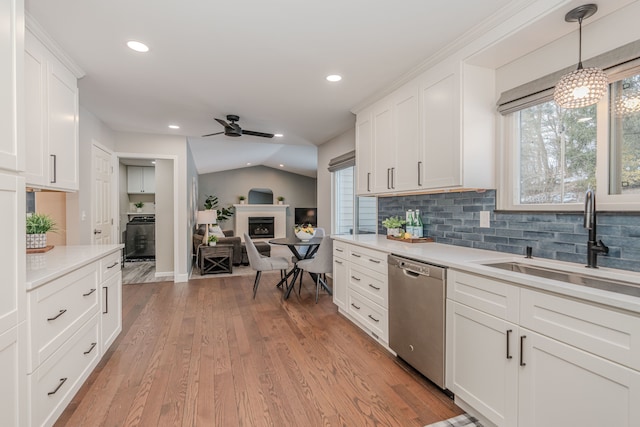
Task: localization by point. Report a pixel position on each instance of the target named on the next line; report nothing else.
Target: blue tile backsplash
(454, 219)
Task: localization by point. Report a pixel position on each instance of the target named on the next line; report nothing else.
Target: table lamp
(207, 217)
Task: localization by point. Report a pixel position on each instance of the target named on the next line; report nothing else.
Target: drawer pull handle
(521, 350)
(338, 262)
(93, 345)
(356, 255)
(89, 293)
(355, 306)
(62, 381)
(509, 356)
(357, 279)
(113, 265)
(374, 287)
(60, 313)
(106, 300)
(339, 250)
(373, 318)
(377, 261)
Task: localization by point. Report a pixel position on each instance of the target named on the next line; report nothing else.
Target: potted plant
(242, 199)
(139, 206)
(393, 225)
(211, 202)
(37, 227)
(280, 200)
(213, 239)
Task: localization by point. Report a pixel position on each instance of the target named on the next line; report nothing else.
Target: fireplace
(261, 227)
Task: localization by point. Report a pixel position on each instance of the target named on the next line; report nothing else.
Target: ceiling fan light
(580, 88)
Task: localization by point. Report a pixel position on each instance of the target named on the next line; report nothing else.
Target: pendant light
(584, 86)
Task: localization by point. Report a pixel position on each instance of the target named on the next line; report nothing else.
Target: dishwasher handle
(410, 273)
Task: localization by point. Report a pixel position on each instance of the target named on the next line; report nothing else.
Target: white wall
(333, 148)
(91, 129)
(164, 222)
(174, 148)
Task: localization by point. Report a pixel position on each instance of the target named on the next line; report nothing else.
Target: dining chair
(261, 263)
(320, 264)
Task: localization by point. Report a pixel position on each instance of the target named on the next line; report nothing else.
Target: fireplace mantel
(244, 211)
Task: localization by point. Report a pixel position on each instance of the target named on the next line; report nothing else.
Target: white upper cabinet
(11, 84)
(364, 154)
(141, 180)
(435, 132)
(51, 114)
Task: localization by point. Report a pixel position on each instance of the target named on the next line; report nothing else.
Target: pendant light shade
(584, 86)
(628, 104)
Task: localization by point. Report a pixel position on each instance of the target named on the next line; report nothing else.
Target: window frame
(356, 204)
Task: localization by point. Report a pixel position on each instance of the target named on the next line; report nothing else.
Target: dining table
(293, 243)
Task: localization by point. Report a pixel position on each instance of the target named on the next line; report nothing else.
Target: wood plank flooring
(204, 353)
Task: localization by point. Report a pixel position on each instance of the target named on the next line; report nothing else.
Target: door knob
(96, 231)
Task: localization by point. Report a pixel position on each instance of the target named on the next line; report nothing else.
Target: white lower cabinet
(111, 324)
(519, 357)
(12, 372)
(360, 288)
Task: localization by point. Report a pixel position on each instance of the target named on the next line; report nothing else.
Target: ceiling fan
(234, 129)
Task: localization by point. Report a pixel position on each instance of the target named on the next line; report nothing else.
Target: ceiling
(265, 61)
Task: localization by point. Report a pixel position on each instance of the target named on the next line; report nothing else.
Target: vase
(138, 209)
(393, 232)
(212, 243)
(242, 202)
(280, 202)
(36, 241)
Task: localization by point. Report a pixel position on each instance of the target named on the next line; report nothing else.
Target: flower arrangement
(304, 231)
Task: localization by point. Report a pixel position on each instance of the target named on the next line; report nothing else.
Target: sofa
(229, 239)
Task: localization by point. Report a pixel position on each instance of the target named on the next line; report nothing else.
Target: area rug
(464, 420)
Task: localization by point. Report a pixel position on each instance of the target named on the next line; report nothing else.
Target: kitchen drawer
(340, 249)
(57, 309)
(370, 284)
(602, 331)
(373, 317)
(52, 386)
(494, 297)
(375, 260)
(110, 266)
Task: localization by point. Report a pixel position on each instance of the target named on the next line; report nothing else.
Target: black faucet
(593, 247)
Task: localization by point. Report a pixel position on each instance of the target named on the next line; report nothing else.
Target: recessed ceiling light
(174, 127)
(137, 46)
(248, 163)
(281, 166)
(278, 135)
(153, 162)
(334, 78)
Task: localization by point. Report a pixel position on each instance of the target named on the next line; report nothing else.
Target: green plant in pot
(213, 240)
(37, 226)
(211, 202)
(280, 200)
(393, 225)
(139, 206)
(242, 199)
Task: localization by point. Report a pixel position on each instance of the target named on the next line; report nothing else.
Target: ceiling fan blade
(211, 134)
(223, 123)
(262, 134)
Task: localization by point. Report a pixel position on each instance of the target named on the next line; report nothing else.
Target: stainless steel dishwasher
(417, 315)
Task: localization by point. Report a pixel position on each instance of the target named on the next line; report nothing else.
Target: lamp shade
(208, 217)
(580, 88)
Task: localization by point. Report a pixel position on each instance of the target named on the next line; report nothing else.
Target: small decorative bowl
(305, 235)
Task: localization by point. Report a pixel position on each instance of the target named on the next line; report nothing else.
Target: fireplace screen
(261, 227)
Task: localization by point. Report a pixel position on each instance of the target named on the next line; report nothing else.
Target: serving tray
(411, 240)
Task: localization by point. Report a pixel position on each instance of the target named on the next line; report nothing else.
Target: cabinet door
(340, 282)
(384, 152)
(35, 69)
(441, 133)
(135, 180)
(63, 127)
(563, 386)
(149, 180)
(13, 393)
(364, 154)
(11, 84)
(111, 322)
(482, 362)
(406, 139)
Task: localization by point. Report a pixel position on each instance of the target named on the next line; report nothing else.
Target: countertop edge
(62, 260)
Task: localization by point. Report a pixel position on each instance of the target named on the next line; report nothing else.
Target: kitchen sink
(617, 286)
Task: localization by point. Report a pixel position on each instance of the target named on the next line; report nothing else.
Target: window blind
(342, 162)
(616, 63)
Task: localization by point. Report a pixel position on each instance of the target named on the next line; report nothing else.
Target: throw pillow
(216, 231)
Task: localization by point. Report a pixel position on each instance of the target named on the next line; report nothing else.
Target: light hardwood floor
(204, 353)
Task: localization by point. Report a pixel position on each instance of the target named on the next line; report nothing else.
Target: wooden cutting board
(412, 240)
(40, 250)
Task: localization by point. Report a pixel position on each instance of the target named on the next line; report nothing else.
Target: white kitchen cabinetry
(362, 282)
(51, 118)
(436, 132)
(70, 323)
(526, 358)
(141, 180)
(340, 274)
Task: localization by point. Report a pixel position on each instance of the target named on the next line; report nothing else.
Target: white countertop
(44, 267)
(472, 260)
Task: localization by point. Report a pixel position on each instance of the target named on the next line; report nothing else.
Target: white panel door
(11, 84)
(102, 215)
(484, 362)
(562, 386)
(149, 180)
(384, 150)
(364, 154)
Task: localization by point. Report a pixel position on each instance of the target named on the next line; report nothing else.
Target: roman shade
(342, 162)
(617, 63)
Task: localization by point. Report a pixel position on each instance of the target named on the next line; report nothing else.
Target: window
(553, 155)
(352, 214)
